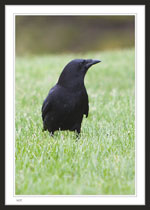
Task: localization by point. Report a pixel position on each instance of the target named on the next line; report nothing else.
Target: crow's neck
(72, 85)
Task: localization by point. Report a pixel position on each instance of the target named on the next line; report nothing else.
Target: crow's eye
(83, 62)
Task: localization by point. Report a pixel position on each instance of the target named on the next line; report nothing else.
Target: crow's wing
(54, 102)
(47, 104)
(46, 107)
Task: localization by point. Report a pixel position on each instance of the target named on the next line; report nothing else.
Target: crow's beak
(91, 62)
(95, 61)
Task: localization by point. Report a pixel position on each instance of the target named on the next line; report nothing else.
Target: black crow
(67, 101)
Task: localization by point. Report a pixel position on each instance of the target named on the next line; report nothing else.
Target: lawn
(102, 161)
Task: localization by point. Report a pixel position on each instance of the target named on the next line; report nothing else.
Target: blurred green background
(102, 161)
(65, 34)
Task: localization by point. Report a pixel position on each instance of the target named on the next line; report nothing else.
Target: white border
(139, 12)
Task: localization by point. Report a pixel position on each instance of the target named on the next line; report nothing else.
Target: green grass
(102, 161)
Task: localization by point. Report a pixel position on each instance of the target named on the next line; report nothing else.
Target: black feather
(67, 101)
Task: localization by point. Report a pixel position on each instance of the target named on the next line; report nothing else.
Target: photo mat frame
(139, 12)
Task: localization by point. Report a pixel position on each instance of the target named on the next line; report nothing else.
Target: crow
(67, 101)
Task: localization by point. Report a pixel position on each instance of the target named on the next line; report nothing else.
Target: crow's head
(80, 66)
(74, 72)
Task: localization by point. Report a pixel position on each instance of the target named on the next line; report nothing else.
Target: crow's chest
(74, 102)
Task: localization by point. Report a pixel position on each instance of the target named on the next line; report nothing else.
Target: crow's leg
(77, 131)
(51, 134)
(77, 135)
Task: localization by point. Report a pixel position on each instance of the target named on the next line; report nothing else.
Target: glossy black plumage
(67, 101)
